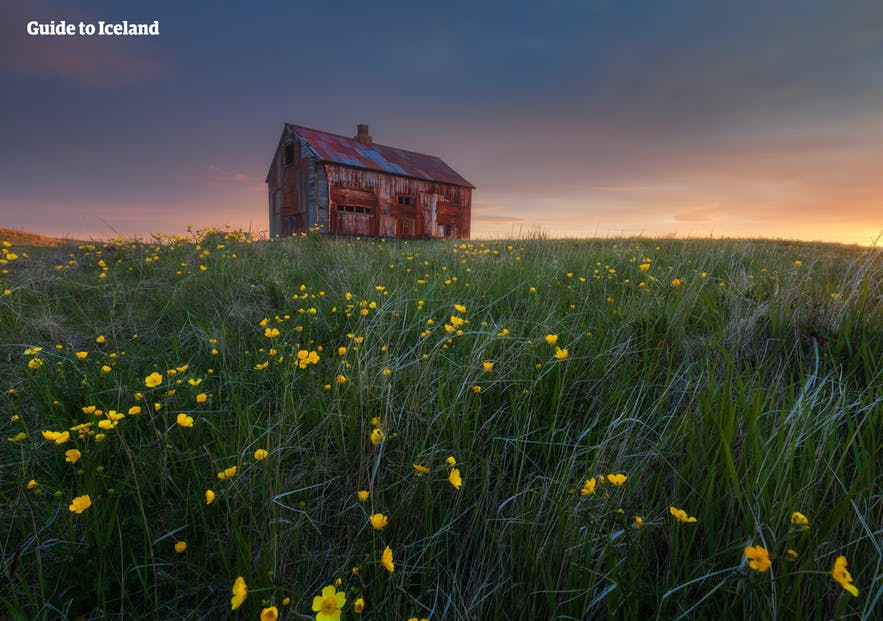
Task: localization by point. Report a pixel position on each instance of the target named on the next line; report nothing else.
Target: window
(289, 153)
(355, 209)
(404, 199)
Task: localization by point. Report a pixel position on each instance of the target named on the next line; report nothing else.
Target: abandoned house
(352, 186)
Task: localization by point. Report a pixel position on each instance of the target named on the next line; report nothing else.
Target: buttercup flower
(82, 355)
(639, 521)
(798, 519)
(185, 421)
(421, 470)
(153, 380)
(680, 515)
(842, 576)
(240, 592)
(551, 339)
(329, 604)
(487, 366)
(226, 474)
(455, 479)
(589, 487)
(561, 354)
(270, 614)
(180, 547)
(260, 454)
(271, 333)
(32, 484)
(386, 560)
(616, 479)
(209, 496)
(759, 558)
(377, 436)
(359, 606)
(378, 521)
(80, 504)
(362, 495)
(72, 455)
(201, 397)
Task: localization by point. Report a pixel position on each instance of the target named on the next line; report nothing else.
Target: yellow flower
(362, 495)
(240, 592)
(644, 267)
(32, 484)
(134, 410)
(260, 454)
(551, 339)
(616, 479)
(201, 397)
(153, 380)
(639, 521)
(798, 519)
(377, 436)
(209, 496)
(487, 366)
(359, 606)
(106, 369)
(270, 614)
(676, 282)
(271, 333)
(72, 455)
(459, 308)
(35, 363)
(184, 420)
(421, 470)
(329, 604)
(341, 379)
(759, 558)
(341, 351)
(842, 575)
(180, 547)
(791, 554)
(476, 389)
(21, 435)
(589, 487)
(454, 478)
(680, 515)
(59, 437)
(81, 355)
(798, 263)
(451, 461)
(226, 474)
(378, 521)
(100, 338)
(80, 504)
(561, 354)
(386, 560)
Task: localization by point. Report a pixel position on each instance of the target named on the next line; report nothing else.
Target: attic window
(289, 153)
(404, 199)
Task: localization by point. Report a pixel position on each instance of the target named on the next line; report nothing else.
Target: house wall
(437, 209)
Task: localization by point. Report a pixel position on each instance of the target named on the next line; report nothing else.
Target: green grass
(751, 390)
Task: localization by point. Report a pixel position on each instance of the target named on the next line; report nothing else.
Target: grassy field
(547, 429)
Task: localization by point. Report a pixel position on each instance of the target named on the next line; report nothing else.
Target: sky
(574, 118)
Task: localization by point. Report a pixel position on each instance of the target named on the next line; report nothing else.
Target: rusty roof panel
(350, 152)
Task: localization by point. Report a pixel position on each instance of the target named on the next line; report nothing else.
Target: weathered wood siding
(435, 209)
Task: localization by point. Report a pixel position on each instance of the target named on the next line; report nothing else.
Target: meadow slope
(525, 429)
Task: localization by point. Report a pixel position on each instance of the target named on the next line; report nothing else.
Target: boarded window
(289, 153)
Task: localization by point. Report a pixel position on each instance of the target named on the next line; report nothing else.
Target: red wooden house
(352, 186)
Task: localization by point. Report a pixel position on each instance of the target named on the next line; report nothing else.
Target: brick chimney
(362, 134)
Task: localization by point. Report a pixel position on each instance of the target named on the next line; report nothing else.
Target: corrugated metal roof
(350, 152)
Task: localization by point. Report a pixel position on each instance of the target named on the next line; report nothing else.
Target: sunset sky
(577, 117)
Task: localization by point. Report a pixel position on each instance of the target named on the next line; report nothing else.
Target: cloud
(93, 61)
(487, 213)
(222, 175)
